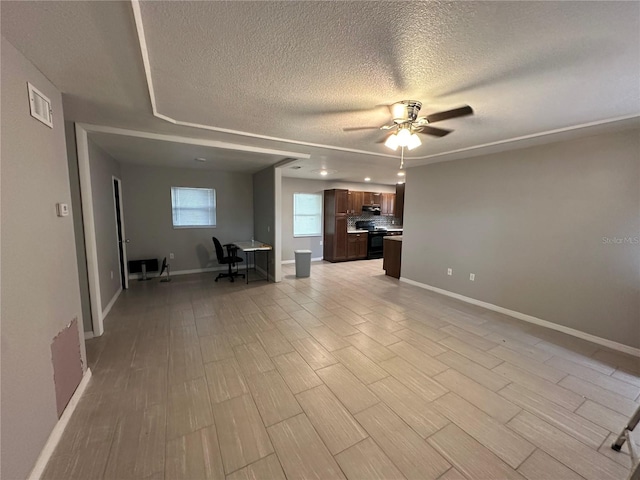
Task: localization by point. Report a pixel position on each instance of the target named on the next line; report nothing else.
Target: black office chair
(231, 259)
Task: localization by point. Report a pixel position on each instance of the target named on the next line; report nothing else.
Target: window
(193, 207)
(307, 214)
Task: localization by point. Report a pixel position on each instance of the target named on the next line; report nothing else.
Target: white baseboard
(223, 268)
(109, 306)
(58, 429)
(88, 335)
(531, 319)
(286, 262)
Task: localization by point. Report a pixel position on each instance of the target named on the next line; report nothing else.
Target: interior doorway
(122, 240)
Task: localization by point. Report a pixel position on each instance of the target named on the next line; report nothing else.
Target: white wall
(103, 168)
(264, 214)
(530, 224)
(146, 195)
(299, 185)
(40, 291)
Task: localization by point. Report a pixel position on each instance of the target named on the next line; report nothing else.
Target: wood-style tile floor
(346, 374)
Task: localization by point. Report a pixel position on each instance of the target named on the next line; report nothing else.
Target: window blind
(193, 207)
(307, 214)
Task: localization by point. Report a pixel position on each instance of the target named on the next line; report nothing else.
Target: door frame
(122, 245)
(86, 195)
(82, 146)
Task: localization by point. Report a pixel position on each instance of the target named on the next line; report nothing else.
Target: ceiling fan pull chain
(402, 159)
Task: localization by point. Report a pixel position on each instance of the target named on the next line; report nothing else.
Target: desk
(253, 246)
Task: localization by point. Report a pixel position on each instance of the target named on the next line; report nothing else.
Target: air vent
(40, 106)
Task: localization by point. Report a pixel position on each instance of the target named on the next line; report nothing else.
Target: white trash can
(303, 263)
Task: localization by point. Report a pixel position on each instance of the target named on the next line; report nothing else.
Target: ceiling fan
(407, 123)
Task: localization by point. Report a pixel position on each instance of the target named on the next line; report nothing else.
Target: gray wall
(299, 185)
(103, 168)
(264, 213)
(148, 221)
(530, 224)
(78, 225)
(40, 291)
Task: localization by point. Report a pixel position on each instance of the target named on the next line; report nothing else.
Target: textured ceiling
(167, 153)
(301, 71)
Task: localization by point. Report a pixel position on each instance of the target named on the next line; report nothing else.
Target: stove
(374, 239)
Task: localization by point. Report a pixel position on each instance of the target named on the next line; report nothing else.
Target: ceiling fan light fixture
(404, 135)
(392, 142)
(404, 138)
(367, 179)
(413, 141)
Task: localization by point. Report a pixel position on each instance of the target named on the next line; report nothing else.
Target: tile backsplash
(378, 220)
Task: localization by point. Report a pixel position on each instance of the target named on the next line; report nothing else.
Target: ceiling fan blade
(436, 132)
(354, 129)
(456, 112)
(383, 127)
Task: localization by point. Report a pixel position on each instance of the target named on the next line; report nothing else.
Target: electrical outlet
(449, 271)
(111, 274)
(62, 209)
(472, 277)
(320, 242)
(171, 256)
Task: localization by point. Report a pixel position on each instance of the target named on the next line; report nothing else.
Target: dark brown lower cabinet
(357, 246)
(392, 257)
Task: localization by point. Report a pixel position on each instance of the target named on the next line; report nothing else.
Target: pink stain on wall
(67, 364)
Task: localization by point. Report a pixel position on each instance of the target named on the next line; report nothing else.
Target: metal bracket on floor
(625, 436)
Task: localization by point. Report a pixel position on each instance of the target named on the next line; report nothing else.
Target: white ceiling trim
(539, 136)
(147, 68)
(192, 141)
(476, 149)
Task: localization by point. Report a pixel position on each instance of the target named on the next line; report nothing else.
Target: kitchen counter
(367, 231)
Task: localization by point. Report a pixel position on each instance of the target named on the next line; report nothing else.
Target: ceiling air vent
(40, 106)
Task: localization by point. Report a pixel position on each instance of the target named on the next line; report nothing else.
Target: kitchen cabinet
(340, 249)
(387, 204)
(342, 201)
(399, 206)
(392, 256)
(355, 203)
(336, 203)
(371, 198)
(357, 246)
